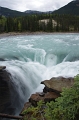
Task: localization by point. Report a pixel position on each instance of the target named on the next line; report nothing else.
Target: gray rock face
(4, 89)
(57, 83)
(2, 68)
(7, 92)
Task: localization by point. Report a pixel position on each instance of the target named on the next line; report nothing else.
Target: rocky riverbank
(8, 93)
(5, 100)
(22, 33)
(2, 35)
(51, 91)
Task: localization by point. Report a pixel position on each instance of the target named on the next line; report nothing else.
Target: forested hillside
(71, 8)
(32, 23)
(13, 13)
(66, 19)
(10, 13)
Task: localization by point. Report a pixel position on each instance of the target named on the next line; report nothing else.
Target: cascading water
(31, 59)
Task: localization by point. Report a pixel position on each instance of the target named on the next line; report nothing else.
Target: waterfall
(31, 59)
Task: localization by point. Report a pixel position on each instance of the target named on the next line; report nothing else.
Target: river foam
(31, 59)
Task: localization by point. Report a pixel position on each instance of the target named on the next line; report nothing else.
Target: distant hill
(36, 12)
(71, 8)
(12, 13)
(33, 12)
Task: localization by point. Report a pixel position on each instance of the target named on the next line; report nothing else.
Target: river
(33, 58)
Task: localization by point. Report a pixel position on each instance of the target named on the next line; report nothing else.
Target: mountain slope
(32, 12)
(71, 8)
(12, 13)
(36, 12)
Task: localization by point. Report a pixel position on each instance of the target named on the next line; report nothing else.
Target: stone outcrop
(2, 68)
(57, 83)
(47, 97)
(4, 89)
(51, 91)
(34, 98)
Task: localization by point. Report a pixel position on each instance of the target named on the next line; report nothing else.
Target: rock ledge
(51, 91)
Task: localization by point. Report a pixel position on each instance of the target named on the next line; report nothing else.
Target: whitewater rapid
(33, 58)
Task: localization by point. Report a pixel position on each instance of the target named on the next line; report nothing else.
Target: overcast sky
(40, 5)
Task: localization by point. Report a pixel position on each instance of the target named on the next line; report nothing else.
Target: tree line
(41, 22)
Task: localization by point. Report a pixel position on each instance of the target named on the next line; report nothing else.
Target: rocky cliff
(51, 91)
(8, 93)
(4, 89)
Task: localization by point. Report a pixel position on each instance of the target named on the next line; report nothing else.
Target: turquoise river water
(33, 58)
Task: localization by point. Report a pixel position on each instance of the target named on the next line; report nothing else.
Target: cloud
(40, 5)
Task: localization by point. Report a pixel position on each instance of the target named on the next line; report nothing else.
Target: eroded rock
(4, 89)
(2, 68)
(7, 92)
(58, 83)
(51, 91)
(47, 97)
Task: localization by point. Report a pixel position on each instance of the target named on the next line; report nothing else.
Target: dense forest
(40, 22)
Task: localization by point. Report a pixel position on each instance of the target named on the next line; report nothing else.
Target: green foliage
(37, 22)
(34, 113)
(2, 23)
(65, 107)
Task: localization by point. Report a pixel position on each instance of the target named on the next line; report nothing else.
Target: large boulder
(4, 89)
(57, 84)
(2, 68)
(7, 92)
